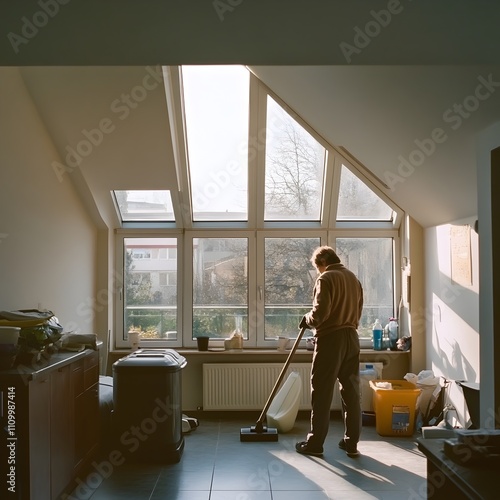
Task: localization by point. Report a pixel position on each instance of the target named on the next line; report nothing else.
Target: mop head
(251, 434)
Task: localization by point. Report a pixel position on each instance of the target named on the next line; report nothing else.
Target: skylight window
(358, 202)
(144, 206)
(216, 106)
(295, 164)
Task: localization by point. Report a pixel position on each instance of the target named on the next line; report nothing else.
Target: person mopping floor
(335, 316)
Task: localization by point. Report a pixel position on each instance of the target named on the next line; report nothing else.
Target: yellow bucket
(395, 408)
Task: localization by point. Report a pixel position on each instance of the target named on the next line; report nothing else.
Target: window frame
(180, 90)
(187, 302)
(261, 236)
(119, 302)
(256, 276)
(267, 96)
(140, 221)
(394, 234)
(256, 228)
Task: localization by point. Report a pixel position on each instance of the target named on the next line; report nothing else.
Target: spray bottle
(377, 335)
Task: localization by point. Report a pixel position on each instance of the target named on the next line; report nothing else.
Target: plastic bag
(25, 317)
(431, 388)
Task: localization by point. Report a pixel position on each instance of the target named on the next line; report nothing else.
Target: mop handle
(262, 417)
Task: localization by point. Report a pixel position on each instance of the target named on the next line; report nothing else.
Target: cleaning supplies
(259, 431)
(284, 408)
(393, 334)
(377, 335)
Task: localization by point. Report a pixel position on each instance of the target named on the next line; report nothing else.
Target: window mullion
(259, 292)
(257, 149)
(253, 296)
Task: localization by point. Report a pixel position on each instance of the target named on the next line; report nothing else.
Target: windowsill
(387, 351)
(255, 351)
(221, 351)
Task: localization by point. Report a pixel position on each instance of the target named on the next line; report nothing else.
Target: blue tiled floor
(215, 465)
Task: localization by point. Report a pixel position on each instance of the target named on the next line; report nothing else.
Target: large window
(228, 295)
(254, 191)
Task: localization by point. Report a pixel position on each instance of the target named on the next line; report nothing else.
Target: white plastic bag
(411, 377)
(431, 388)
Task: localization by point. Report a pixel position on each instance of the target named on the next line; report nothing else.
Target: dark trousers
(336, 356)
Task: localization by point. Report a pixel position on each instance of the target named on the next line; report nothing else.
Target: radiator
(246, 386)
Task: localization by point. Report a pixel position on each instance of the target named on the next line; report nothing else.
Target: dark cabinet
(61, 430)
(49, 418)
(86, 400)
(32, 461)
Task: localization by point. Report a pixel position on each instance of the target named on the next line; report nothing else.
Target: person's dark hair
(324, 256)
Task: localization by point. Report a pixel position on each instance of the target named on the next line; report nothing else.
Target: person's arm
(321, 304)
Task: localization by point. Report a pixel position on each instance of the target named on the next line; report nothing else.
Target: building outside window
(149, 293)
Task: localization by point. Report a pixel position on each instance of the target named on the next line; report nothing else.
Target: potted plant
(202, 340)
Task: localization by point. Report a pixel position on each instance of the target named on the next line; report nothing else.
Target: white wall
(452, 314)
(47, 240)
(488, 140)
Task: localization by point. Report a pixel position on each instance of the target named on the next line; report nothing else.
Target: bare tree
(288, 270)
(293, 172)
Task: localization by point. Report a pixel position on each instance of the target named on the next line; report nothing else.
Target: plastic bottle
(365, 375)
(393, 334)
(377, 335)
(368, 372)
(385, 338)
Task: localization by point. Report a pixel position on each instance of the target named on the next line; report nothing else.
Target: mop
(259, 431)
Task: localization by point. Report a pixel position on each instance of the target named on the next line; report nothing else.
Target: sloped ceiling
(378, 112)
(413, 127)
(109, 124)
